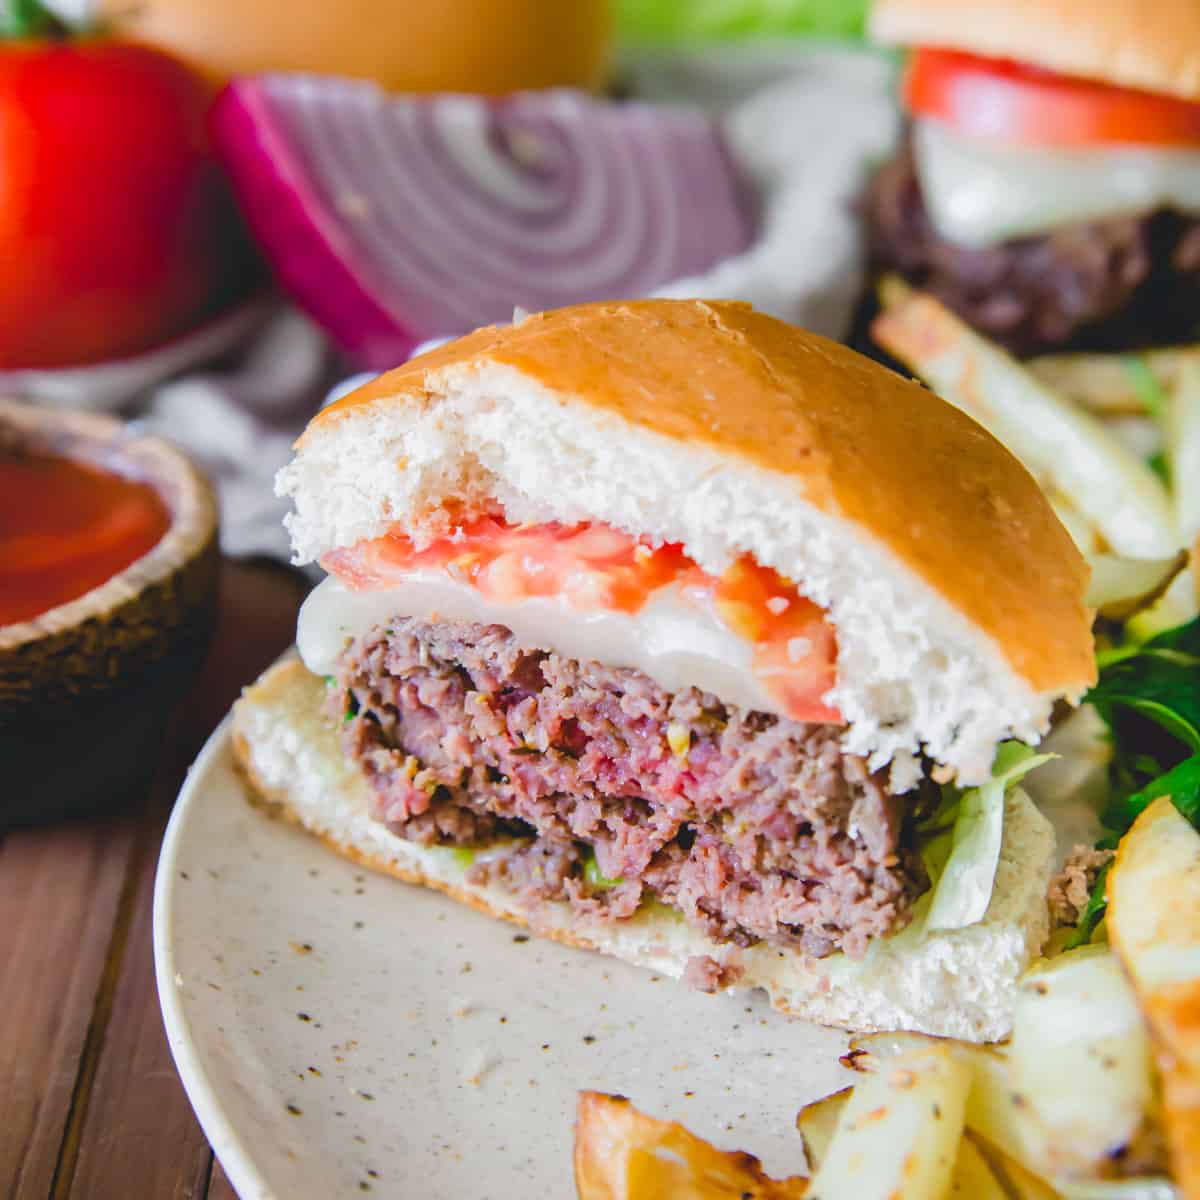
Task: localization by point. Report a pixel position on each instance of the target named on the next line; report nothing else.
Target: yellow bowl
(490, 46)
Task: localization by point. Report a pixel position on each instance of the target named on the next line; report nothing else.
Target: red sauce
(67, 527)
(595, 566)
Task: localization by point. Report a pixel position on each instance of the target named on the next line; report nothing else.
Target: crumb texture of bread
(957, 596)
(952, 984)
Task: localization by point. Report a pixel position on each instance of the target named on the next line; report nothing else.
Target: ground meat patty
(1121, 282)
(1071, 888)
(753, 827)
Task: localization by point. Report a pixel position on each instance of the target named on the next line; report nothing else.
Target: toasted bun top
(1153, 46)
(855, 440)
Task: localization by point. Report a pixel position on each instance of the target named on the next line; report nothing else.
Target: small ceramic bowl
(86, 687)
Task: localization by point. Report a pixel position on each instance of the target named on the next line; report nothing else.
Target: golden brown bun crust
(861, 442)
(1153, 46)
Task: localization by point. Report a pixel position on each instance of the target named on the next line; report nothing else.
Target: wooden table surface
(90, 1104)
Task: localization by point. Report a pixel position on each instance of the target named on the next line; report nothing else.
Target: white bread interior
(954, 984)
(913, 672)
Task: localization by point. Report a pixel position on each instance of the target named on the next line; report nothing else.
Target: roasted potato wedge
(897, 1136)
(1067, 449)
(1109, 384)
(973, 1178)
(816, 1123)
(1154, 925)
(1121, 587)
(1183, 448)
(623, 1154)
(1080, 1061)
(870, 1051)
(1020, 1183)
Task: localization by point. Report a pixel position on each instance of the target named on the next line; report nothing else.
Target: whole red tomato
(116, 230)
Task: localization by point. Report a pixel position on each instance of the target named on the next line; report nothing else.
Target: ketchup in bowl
(67, 527)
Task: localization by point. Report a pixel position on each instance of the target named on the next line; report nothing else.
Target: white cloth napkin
(805, 126)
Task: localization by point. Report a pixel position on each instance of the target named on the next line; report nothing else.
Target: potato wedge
(1109, 384)
(1082, 532)
(1067, 449)
(1154, 924)
(1080, 1061)
(996, 1111)
(897, 1137)
(622, 1154)
(870, 1051)
(816, 1123)
(1119, 1189)
(1120, 587)
(973, 1179)
(1020, 1183)
(1181, 1118)
(1183, 447)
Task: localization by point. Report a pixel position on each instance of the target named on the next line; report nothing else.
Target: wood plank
(219, 1187)
(135, 1134)
(59, 893)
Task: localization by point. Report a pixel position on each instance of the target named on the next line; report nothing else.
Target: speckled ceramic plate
(339, 1033)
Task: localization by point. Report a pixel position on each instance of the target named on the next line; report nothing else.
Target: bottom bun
(958, 983)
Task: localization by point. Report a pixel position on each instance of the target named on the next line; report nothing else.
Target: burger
(1048, 189)
(672, 631)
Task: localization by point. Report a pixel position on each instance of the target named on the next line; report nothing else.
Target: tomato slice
(1009, 101)
(795, 648)
(594, 566)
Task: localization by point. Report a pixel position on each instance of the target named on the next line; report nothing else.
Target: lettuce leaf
(1149, 695)
(1158, 681)
(963, 891)
(1181, 783)
(671, 20)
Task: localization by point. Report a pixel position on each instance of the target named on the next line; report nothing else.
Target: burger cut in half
(676, 632)
(1049, 189)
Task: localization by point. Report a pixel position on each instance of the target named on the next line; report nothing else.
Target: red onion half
(396, 219)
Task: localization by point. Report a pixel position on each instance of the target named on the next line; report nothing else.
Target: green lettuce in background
(669, 20)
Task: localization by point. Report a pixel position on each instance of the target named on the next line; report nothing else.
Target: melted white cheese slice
(978, 193)
(674, 638)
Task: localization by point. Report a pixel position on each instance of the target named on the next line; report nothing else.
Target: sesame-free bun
(956, 594)
(958, 983)
(1151, 46)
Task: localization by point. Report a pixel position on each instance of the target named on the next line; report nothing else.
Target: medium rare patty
(617, 792)
(1122, 282)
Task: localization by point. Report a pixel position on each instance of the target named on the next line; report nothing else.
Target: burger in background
(486, 46)
(1049, 188)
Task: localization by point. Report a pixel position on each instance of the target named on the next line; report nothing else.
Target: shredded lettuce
(963, 889)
